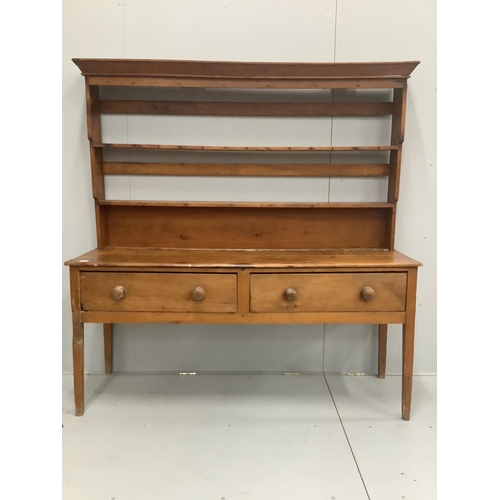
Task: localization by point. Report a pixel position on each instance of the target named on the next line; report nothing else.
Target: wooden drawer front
(165, 292)
(327, 292)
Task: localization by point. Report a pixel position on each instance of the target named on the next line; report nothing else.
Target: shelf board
(250, 149)
(203, 204)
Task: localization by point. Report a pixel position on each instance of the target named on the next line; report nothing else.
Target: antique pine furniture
(203, 262)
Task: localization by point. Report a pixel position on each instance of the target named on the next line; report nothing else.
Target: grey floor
(225, 437)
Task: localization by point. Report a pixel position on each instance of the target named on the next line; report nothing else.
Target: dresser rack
(244, 263)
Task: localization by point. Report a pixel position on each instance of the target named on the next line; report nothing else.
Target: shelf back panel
(241, 227)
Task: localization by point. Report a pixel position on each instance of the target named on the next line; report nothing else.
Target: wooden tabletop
(210, 258)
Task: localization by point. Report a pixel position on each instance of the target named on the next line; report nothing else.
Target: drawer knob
(198, 294)
(368, 293)
(290, 294)
(118, 292)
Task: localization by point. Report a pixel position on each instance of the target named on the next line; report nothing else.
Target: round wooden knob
(368, 293)
(198, 294)
(290, 294)
(118, 292)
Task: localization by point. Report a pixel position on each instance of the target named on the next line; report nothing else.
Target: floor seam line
(347, 438)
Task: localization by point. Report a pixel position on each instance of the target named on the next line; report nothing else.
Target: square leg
(382, 350)
(78, 382)
(108, 347)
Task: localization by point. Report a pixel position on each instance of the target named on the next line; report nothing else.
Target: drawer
(165, 292)
(324, 292)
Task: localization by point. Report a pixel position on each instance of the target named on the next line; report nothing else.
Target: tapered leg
(382, 350)
(108, 347)
(78, 367)
(408, 343)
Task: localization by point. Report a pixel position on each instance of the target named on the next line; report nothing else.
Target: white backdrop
(254, 30)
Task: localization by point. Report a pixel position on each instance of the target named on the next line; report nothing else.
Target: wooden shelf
(250, 149)
(202, 204)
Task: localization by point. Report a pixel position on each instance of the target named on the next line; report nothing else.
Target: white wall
(255, 30)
